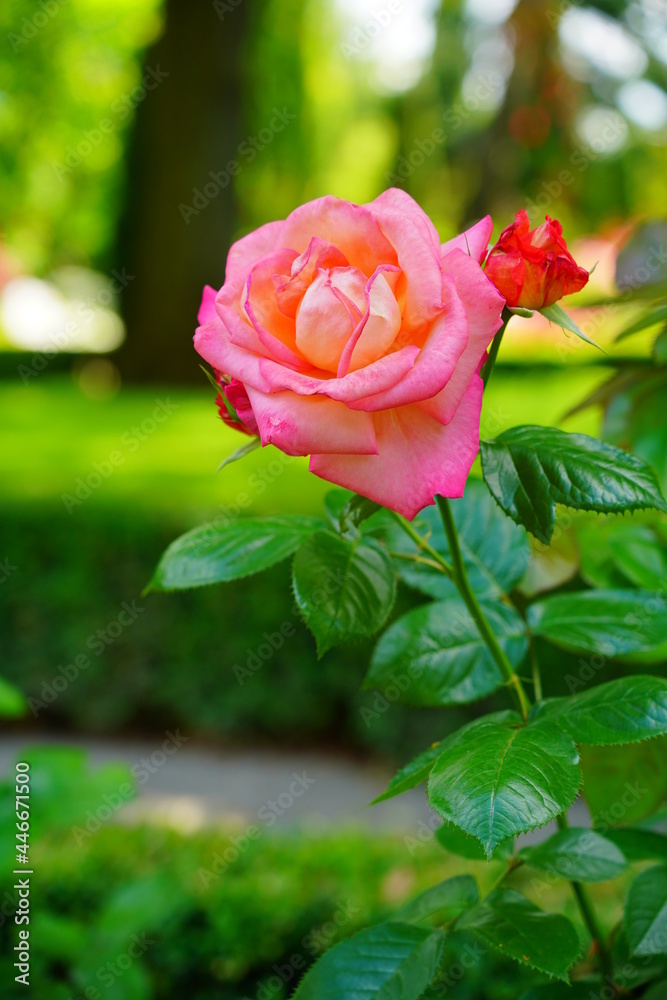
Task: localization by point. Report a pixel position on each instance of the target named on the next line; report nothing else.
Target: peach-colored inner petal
(290, 290)
(331, 310)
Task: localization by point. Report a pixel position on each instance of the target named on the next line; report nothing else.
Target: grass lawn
(53, 436)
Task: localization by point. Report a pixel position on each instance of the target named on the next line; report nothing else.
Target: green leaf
(577, 854)
(616, 555)
(435, 654)
(623, 711)
(385, 962)
(334, 503)
(659, 350)
(516, 927)
(530, 469)
(656, 992)
(631, 402)
(579, 990)
(348, 510)
(608, 622)
(359, 509)
(241, 452)
(645, 916)
(638, 844)
(448, 900)
(497, 777)
(455, 841)
(495, 551)
(556, 314)
(640, 555)
(624, 784)
(655, 315)
(12, 703)
(411, 775)
(635, 973)
(218, 553)
(344, 588)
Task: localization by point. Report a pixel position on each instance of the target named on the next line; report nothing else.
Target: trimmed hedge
(174, 663)
(132, 914)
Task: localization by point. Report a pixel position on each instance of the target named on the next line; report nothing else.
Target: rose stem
(485, 630)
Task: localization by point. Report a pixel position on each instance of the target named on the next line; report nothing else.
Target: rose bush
(350, 334)
(532, 268)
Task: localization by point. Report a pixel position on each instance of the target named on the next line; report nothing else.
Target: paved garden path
(190, 786)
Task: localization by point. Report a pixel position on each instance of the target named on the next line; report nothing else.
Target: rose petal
(350, 228)
(483, 306)
(474, 241)
(236, 394)
(378, 327)
(371, 380)
(214, 343)
(300, 425)
(251, 248)
(417, 244)
(274, 329)
(206, 312)
(237, 326)
(325, 320)
(397, 200)
(318, 255)
(437, 359)
(418, 456)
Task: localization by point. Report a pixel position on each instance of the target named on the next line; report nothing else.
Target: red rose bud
(236, 412)
(533, 268)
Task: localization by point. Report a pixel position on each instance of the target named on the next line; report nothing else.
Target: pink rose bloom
(358, 340)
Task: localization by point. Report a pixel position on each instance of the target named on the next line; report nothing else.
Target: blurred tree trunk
(170, 240)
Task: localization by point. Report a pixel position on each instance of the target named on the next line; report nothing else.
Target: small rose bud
(533, 268)
(238, 414)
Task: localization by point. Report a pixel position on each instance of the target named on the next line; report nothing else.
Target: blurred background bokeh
(137, 141)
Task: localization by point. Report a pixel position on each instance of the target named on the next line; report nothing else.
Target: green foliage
(531, 469)
(388, 960)
(72, 67)
(12, 702)
(344, 588)
(616, 554)
(624, 784)
(652, 316)
(579, 854)
(495, 551)
(623, 711)
(639, 845)
(513, 924)
(455, 841)
(63, 789)
(556, 314)
(412, 774)
(291, 896)
(348, 510)
(190, 658)
(236, 456)
(631, 399)
(611, 622)
(580, 990)
(439, 654)
(645, 918)
(219, 553)
(657, 991)
(447, 900)
(497, 777)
